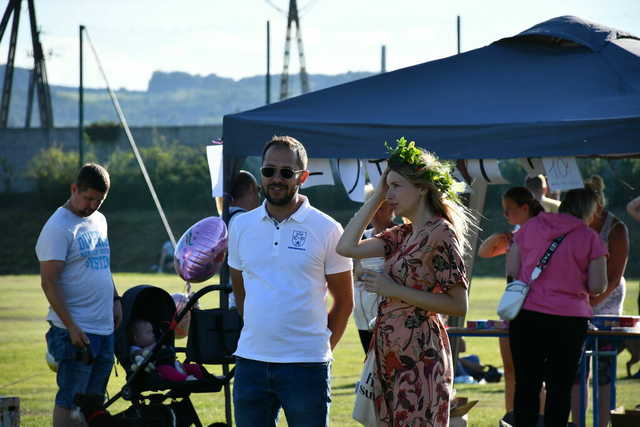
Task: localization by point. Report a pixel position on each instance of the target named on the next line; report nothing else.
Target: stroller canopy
(142, 302)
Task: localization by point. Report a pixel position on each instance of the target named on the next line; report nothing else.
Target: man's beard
(282, 201)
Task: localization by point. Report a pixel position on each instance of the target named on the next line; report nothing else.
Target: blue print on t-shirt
(95, 248)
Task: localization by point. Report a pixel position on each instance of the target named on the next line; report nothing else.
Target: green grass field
(24, 373)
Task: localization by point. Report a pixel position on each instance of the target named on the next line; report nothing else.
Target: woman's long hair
(596, 184)
(580, 202)
(440, 200)
(523, 196)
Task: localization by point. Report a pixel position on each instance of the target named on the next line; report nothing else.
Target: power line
(134, 147)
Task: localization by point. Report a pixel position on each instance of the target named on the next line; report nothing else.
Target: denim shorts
(260, 389)
(75, 375)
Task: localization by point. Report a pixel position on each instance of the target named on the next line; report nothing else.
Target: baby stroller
(147, 391)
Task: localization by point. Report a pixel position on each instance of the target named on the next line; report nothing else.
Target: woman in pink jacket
(547, 336)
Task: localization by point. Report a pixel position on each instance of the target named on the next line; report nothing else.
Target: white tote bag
(364, 410)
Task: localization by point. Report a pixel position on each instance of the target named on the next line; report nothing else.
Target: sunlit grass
(24, 373)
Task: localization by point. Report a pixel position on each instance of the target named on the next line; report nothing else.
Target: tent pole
(268, 76)
(230, 166)
(476, 205)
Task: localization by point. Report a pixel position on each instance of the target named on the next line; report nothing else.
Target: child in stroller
(155, 401)
(143, 341)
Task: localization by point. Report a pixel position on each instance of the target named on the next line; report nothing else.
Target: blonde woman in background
(633, 209)
(615, 236)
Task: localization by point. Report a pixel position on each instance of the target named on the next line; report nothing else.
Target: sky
(134, 38)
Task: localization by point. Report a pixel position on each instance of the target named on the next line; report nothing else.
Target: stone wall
(18, 146)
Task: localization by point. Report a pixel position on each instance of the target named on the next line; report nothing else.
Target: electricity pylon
(293, 17)
(38, 76)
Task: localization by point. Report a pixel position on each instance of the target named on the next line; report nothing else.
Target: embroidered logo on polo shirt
(298, 239)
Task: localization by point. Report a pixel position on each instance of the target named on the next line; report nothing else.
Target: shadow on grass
(480, 388)
(344, 393)
(344, 386)
(628, 379)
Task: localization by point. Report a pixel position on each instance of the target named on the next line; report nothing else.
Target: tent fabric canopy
(561, 88)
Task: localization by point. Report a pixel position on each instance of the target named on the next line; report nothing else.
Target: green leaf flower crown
(407, 154)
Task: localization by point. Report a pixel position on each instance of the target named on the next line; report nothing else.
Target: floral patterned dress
(413, 356)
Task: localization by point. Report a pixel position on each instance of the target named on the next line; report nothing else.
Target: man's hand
(117, 312)
(78, 337)
(237, 283)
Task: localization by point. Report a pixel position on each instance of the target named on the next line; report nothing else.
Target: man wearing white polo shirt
(283, 264)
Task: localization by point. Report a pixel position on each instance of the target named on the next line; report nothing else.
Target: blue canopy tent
(565, 87)
(561, 88)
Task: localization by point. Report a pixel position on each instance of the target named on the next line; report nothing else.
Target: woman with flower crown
(424, 278)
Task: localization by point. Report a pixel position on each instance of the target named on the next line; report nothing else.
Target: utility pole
(458, 20)
(383, 59)
(293, 17)
(268, 82)
(81, 103)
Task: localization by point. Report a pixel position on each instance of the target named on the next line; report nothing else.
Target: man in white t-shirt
(73, 250)
(244, 195)
(283, 265)
(539, 188)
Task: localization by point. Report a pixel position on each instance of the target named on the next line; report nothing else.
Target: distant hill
(172, 99)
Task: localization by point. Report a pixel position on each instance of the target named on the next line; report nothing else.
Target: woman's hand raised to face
(380, 192)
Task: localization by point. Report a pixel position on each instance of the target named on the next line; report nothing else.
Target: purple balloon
(201, 250)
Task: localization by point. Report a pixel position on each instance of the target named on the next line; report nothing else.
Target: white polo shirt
(284, 266)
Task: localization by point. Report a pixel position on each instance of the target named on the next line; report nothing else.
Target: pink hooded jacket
(562, 288)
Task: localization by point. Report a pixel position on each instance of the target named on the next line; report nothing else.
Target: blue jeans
(76, 376)
(301, 389)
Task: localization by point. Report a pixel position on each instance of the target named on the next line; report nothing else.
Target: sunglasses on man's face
(286, 173)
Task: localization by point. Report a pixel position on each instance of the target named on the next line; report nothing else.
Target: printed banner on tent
(214, 159)
(485, 169)
(562, 173)
(533, 166)
(375, 169)
(319, 173)
(351, 173)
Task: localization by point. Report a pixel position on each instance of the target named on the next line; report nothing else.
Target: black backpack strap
(233, 213)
